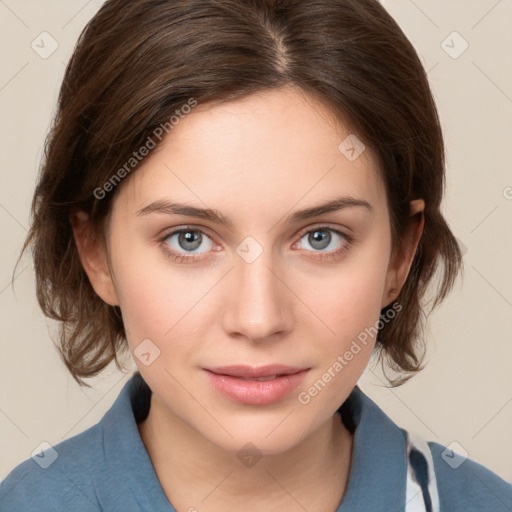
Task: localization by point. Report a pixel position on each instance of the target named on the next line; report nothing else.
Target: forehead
(269, 150)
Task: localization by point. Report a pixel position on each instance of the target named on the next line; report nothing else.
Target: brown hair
(136, 63)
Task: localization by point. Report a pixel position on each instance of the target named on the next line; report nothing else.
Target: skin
(256, 161)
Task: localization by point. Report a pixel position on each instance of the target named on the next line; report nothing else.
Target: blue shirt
(107, 468)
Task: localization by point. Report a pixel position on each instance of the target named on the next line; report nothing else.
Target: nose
(259, 304)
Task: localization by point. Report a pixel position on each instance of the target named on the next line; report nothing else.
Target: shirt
(107, 468)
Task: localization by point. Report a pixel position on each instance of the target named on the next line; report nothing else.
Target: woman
(245, 196)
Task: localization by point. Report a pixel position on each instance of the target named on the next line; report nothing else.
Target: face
(258, 284)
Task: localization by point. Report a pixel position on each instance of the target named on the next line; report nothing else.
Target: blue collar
(126, 456)
(378, 473)
(377, 479)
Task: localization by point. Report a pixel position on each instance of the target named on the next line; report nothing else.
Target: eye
(324, 237)
(186, 240)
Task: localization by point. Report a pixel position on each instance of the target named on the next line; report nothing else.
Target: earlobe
(400, 265)
(93, 257)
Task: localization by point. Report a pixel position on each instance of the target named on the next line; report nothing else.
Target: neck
(194, 472)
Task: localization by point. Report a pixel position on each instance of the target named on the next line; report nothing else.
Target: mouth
(256, 386)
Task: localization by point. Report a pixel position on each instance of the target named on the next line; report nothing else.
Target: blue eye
(322, 238)
(187, 240)
(325, 237)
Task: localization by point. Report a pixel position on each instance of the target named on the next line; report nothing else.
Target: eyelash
(180, 258)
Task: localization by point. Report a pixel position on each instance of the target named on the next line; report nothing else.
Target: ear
(401, 262)
(93, 256)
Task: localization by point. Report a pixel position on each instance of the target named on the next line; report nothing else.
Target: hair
(136, 63)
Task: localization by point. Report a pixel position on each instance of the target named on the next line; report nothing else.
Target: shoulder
(59, 478)
(465, 485)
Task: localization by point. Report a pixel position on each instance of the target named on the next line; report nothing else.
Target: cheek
(149, 300)
(350, 307)
(348, 303)
(162, 303)
(348, 298)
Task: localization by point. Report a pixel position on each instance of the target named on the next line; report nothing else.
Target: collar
(378, 470)
(377, 479)
(126, 456)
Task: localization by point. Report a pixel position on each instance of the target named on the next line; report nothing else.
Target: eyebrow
(173, 208)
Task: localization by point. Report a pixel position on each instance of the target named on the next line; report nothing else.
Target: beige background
(464, 394)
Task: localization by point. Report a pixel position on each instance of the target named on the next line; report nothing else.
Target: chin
(272, 435)
(243, 443)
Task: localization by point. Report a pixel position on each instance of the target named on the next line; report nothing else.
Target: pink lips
(241, 385)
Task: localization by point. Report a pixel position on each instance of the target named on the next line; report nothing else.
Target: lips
(255, 386)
